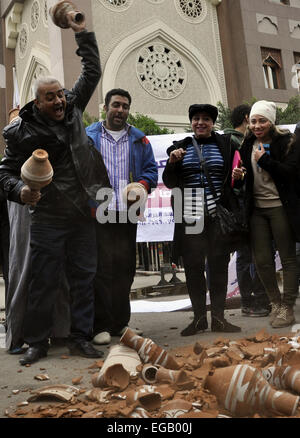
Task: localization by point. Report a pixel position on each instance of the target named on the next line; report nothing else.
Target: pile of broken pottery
(253, 377)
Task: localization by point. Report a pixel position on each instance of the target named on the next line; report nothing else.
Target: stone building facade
(261, 49)
(166, 53)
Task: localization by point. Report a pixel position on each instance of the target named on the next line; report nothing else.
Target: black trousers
(252, 290)
(55, 248)
(116, 243)
(200, 254)
(268, 225)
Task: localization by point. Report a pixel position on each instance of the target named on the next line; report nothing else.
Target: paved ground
(162, 327)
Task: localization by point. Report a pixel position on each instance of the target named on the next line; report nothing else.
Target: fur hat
(203, 108)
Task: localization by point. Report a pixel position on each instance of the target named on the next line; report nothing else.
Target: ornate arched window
(117, 5)
(272, 68)
(193, 11)
(161, 71)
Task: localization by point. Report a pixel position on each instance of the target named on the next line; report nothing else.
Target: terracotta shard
(262, 335)
(114, 376)
(98, 395)
(197, 348)
(148, 350)
(60, 392)
(176, 408)
(178, 378)
(139, 413)
(242, 390)
(149, 373)
(146, 397)
(42, 377)
(124, 355)
(284, 377)
(77, 380)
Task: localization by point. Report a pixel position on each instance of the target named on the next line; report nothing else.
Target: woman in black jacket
(194, 235)
(271, 159)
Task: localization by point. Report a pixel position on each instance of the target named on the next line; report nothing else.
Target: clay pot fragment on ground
(98, 395)
(145, 396)
(114, 376)
(242, 390)
(284, 377)
(197, 348)
(139, 413)
(178, 378)
(61, 392)
(148, 373)
(175, 408)
(120, 364)
(148, 350)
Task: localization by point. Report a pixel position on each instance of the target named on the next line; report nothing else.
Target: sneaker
(137, 331)
(259, 311)
(285, 317)
(221, 325)
(195, 326)
(102, 338)
(274, 312)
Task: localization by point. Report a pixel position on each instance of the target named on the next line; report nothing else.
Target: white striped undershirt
(194, 178)
(115, 153)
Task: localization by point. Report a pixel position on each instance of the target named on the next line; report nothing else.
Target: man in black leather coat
(62, 231)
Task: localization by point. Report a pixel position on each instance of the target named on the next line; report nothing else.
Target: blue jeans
(54, 248)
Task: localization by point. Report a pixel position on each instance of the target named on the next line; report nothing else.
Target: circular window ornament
(193, 11)
(34, 15)
(161, 71)
(23, 40)
(117, 5)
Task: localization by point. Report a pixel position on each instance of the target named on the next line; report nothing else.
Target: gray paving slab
(164, 328)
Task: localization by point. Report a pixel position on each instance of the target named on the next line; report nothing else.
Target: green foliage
(146, 124)
(251, 101)
(223, 120)
(88, 119)
(289, 115)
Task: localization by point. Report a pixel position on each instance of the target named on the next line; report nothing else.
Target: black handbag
(230, 224)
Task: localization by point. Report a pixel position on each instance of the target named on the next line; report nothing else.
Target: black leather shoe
(246, 311)
(195, 326)
(259, 311)
(221, 325)
(84, 349)
(33, 354)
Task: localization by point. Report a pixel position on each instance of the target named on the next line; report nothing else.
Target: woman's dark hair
(297, 131)
(114, 92)
(238, 114)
